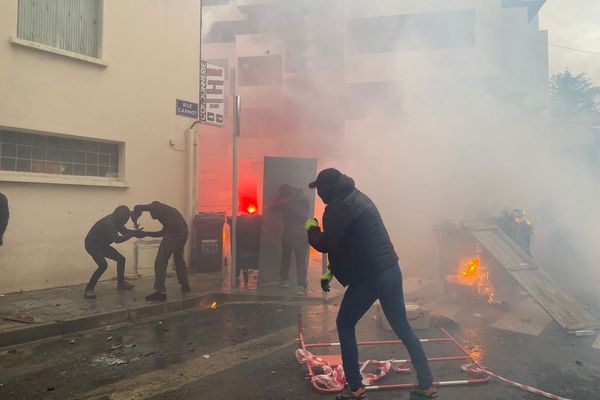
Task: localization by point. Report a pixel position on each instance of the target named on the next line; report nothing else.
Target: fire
(213, 305)
(471, 269)
(251, 209)
(480, 276)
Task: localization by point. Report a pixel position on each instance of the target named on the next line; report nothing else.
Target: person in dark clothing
(362, 257)
(174, 235)
(3, 216)
(108, 230)
(294, 208)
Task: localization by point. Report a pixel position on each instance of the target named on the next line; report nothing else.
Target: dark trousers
(300, 250)
(99, 255)
(387, 287)
(172, 244)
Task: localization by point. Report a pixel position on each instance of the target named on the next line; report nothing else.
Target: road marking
(178, 375)
(528, 318)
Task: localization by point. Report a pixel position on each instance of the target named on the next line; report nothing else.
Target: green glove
(325, 280)
(310, 223)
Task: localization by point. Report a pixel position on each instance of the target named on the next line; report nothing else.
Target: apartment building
(88, 121)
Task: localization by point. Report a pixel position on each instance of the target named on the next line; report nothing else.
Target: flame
(213, 305)
(471, 269)
(251, 209)
(479, 274)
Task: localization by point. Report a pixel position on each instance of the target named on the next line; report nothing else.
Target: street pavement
(244, 349)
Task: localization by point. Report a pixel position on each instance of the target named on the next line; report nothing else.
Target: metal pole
(234, 195)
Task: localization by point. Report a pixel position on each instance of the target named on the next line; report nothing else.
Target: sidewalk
(61, 311)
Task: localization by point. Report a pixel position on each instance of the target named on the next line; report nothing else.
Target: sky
(573, 23)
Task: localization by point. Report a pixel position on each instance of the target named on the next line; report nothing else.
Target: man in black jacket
(108, 230)
(362, 257)
(3, 216)
(174, 235)
(294, 208)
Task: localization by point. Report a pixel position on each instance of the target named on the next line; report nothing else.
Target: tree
(574, 96)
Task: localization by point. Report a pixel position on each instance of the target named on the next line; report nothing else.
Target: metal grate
(28, 152)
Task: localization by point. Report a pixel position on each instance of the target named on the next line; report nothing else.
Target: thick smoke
(446, 140)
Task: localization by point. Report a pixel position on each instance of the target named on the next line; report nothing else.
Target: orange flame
(472, 268)
(474, 271)
(213, 305)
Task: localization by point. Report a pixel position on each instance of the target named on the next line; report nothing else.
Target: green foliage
(574, 96)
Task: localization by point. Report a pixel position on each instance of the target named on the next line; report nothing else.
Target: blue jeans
(387, 287)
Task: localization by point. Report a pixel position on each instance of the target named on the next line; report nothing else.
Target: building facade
(88, 122)
(324, 78)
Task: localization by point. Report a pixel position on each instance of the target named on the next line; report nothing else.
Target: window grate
(47, 154)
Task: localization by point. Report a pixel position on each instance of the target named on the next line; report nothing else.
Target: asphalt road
(246, 351)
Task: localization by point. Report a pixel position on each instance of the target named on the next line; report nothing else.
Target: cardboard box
(417, 317)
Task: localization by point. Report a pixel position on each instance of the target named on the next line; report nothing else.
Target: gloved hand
(310, 223)
(325, 280)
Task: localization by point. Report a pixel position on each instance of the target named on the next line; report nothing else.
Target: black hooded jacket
(353, 234)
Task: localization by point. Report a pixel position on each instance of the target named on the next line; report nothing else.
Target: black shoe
(429, 393)
(186, 288)
(348, 395)
(157, 296)
(89, 294)
(125, 285)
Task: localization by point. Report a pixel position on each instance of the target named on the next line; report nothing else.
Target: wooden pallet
(559, 305)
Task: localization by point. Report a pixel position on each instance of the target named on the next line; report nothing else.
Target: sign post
(234, 206)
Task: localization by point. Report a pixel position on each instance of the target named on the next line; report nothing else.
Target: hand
(311, 223)
(139, 234)
(325, 280)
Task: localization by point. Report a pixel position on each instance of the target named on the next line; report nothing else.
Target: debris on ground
(51, 388)
(109, 360)
(579, 362)
(72, 342)
(109, 338)
(26, 319)
(206, 356)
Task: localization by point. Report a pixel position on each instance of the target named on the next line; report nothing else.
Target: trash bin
(207, 250)
(248, 244)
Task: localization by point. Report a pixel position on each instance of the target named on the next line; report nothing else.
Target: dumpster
(207, 246)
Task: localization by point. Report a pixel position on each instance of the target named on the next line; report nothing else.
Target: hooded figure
(108, 230)
(295, 208)
(174, 236)
(362, 257)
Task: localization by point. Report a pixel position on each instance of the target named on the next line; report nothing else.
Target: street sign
(212, 94)
(186, 108)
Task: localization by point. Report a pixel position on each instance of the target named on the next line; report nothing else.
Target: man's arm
(137, 212)
(337, 219)
(154, 234)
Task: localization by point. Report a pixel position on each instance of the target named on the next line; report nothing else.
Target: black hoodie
(353, 235)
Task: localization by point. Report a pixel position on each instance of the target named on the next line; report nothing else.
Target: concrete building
(320, 78)
(88, 122)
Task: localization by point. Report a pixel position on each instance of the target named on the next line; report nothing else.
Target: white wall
(151, 47)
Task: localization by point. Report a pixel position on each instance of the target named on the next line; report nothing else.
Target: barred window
(72, 25)
(48, 154)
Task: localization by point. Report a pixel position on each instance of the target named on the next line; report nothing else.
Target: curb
(34, 332)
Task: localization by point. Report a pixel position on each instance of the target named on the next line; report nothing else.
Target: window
(72, 25)
(260, 70)
(441, 30)
(28, 152)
